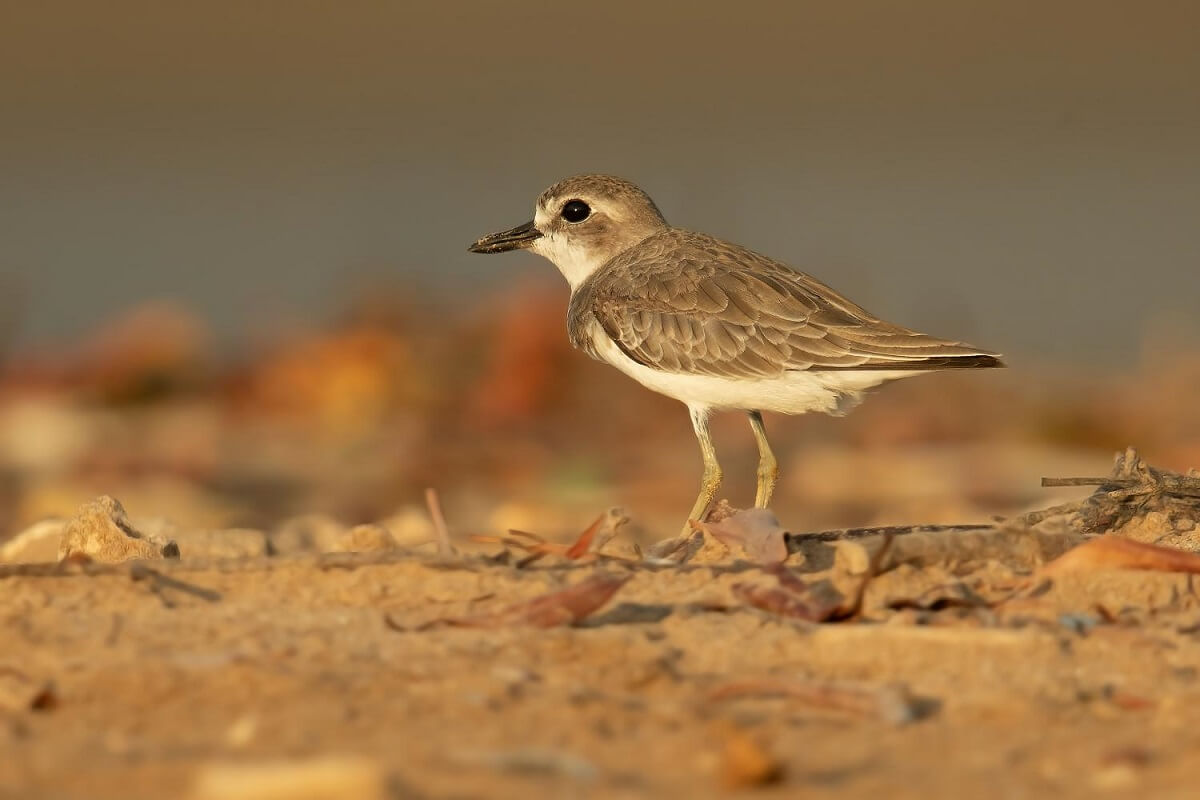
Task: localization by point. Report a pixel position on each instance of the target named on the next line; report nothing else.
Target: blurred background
(234, 284)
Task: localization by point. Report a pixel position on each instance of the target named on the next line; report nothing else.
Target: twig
(1085, 481)
(1132, 490)
(445, 548)
(855, 606)
(795, 539)
(1165, 482)
(250, 564)
(530, 762)
(1034, 517)
(159, 582)
(890, 702)
(538, 547)
(530, 559)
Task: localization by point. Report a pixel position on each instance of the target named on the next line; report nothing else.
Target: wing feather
(686, 302)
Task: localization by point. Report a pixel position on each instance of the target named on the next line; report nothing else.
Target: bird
(712, 324)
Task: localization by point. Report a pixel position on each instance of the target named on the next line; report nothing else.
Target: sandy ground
(284, 633)
(338, 675)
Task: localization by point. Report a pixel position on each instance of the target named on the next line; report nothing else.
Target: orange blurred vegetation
(491, 405)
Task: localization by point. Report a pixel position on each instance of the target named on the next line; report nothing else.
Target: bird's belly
(797, 392)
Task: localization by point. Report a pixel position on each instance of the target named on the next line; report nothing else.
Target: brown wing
(689, 303)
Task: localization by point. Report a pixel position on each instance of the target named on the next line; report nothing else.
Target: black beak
(517, 238)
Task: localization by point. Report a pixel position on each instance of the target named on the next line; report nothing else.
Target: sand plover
(710, 323)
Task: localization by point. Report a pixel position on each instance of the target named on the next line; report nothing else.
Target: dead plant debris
(1133, 489)
(563, 607)
(756, 531)
(586, 546)
(798, 599)
(996, 613)
(445, 547)
(891, 703)
(1113, 552)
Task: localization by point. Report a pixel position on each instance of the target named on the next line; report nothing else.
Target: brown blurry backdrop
(196, 198)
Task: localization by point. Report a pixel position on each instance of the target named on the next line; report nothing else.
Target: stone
(304, 534)
(222, 543)
(319, 778)
(22, 692)
(206, 543)
(362, 539)
(38, 543)
(1013, 545)
(317, 533)
(410, 526)
(101, 531)
(745, 762)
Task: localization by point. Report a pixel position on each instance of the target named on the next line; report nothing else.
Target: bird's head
(581, 223)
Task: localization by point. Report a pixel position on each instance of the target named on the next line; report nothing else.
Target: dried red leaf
(1130, 702)
(584, 542)
(796, 599)
(782, 602)
(1114, 552)
(569, 605)
(546, 611)
(788, 580)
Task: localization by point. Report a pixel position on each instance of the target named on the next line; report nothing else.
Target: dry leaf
(594, 537)
(788, 579)
(1114, 552)
(757, 531)
(546, 611)
(795, 598)
(610, 524)
(584, 543)
(782, 602)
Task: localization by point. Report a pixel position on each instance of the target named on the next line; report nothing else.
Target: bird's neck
(576, 264)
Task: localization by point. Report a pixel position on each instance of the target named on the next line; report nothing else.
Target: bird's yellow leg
(768, 467)
(711, 480)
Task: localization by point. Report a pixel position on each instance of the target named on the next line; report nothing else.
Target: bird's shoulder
(681, 271)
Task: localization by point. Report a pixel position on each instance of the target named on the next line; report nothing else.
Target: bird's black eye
(576, 211)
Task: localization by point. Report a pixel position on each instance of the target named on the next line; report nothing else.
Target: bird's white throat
(576, 262)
